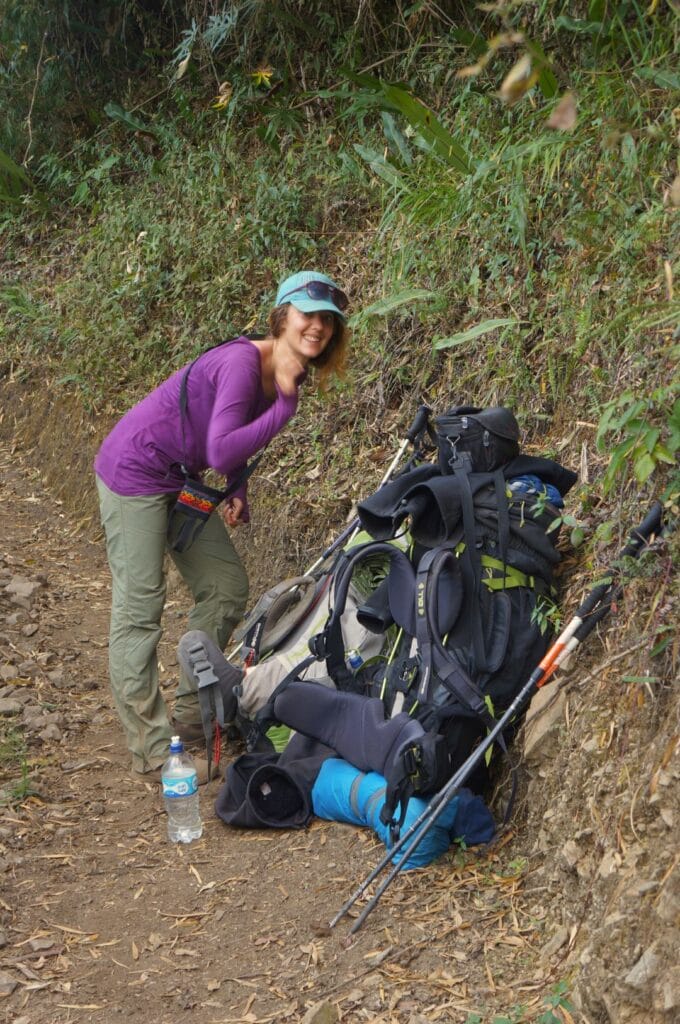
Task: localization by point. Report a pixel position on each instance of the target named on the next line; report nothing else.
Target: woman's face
(307, 334)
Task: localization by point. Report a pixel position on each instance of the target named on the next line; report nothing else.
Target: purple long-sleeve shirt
(228, 419)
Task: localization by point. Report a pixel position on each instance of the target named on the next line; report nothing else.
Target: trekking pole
(419, 425)
(591, 611)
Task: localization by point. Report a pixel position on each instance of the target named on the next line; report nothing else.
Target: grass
(13, 760)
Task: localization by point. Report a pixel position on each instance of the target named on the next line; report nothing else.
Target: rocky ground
(571, 917)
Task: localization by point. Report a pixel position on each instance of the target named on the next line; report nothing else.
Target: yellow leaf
(519, 80)
(181, 67)
(135, 951)
(223, 96)
(262, 75)
(675, 191)
(563, 117)
(469, 71)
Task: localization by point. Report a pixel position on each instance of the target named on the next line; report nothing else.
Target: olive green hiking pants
(135, 529)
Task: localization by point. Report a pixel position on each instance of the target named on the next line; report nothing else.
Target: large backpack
(466, 602)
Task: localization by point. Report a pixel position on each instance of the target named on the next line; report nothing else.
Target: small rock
(546, 714)
(667, 992)
(571, 854)
(8, 672)
(668, 909)
(3, 939)
(609, 864)
(51, 734)
(644, 970)
(7, 984)
(22, 591)
(321, 1013)
(10, 706)
(35, 719)
(30, 630)
(559, 939)
(666, 815)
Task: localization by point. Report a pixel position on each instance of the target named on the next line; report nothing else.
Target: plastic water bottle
(354, 660)
(180, 795)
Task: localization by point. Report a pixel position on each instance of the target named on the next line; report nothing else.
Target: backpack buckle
(318, 645)
(412, 760)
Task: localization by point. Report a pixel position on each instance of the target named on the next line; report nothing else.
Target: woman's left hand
(232, 510)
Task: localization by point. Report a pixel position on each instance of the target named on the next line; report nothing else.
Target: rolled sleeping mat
(343, 793)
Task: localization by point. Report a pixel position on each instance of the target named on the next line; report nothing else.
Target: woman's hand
(231, 511)
(287, 367)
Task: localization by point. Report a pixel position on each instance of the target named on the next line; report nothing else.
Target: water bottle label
(354, 660)
(185, 785)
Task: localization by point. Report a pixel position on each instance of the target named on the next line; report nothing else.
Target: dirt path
(102, 920)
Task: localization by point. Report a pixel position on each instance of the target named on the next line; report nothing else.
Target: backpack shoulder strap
(329, 644)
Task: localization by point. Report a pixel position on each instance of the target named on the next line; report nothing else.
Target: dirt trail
(102, 919)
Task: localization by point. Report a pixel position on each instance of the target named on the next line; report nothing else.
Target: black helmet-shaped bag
(489, 437)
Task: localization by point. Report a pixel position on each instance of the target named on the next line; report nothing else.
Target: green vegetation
(13, 761)
(522, 1015)
(497, 191)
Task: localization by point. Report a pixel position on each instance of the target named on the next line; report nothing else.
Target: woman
(238, 397)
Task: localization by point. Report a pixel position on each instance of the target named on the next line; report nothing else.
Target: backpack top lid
(490, 437)
(497, 419)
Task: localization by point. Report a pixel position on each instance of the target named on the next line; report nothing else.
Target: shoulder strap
(329, 643)
(183, 414)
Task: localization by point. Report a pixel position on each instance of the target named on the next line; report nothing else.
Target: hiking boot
(200, 764)
(215, 678)
(188, 732)
(151, 775)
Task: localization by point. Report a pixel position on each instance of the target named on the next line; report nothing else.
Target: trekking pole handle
(637, 538)
(419, 424)
(649, 525)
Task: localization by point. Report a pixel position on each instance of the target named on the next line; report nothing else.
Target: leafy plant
(546, 615)
(556, 1000)
(646, 431)
(577, 532)
(13, 180)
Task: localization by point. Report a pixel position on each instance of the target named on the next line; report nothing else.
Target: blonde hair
(332, 360)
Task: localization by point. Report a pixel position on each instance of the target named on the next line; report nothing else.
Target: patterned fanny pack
(195, 503)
